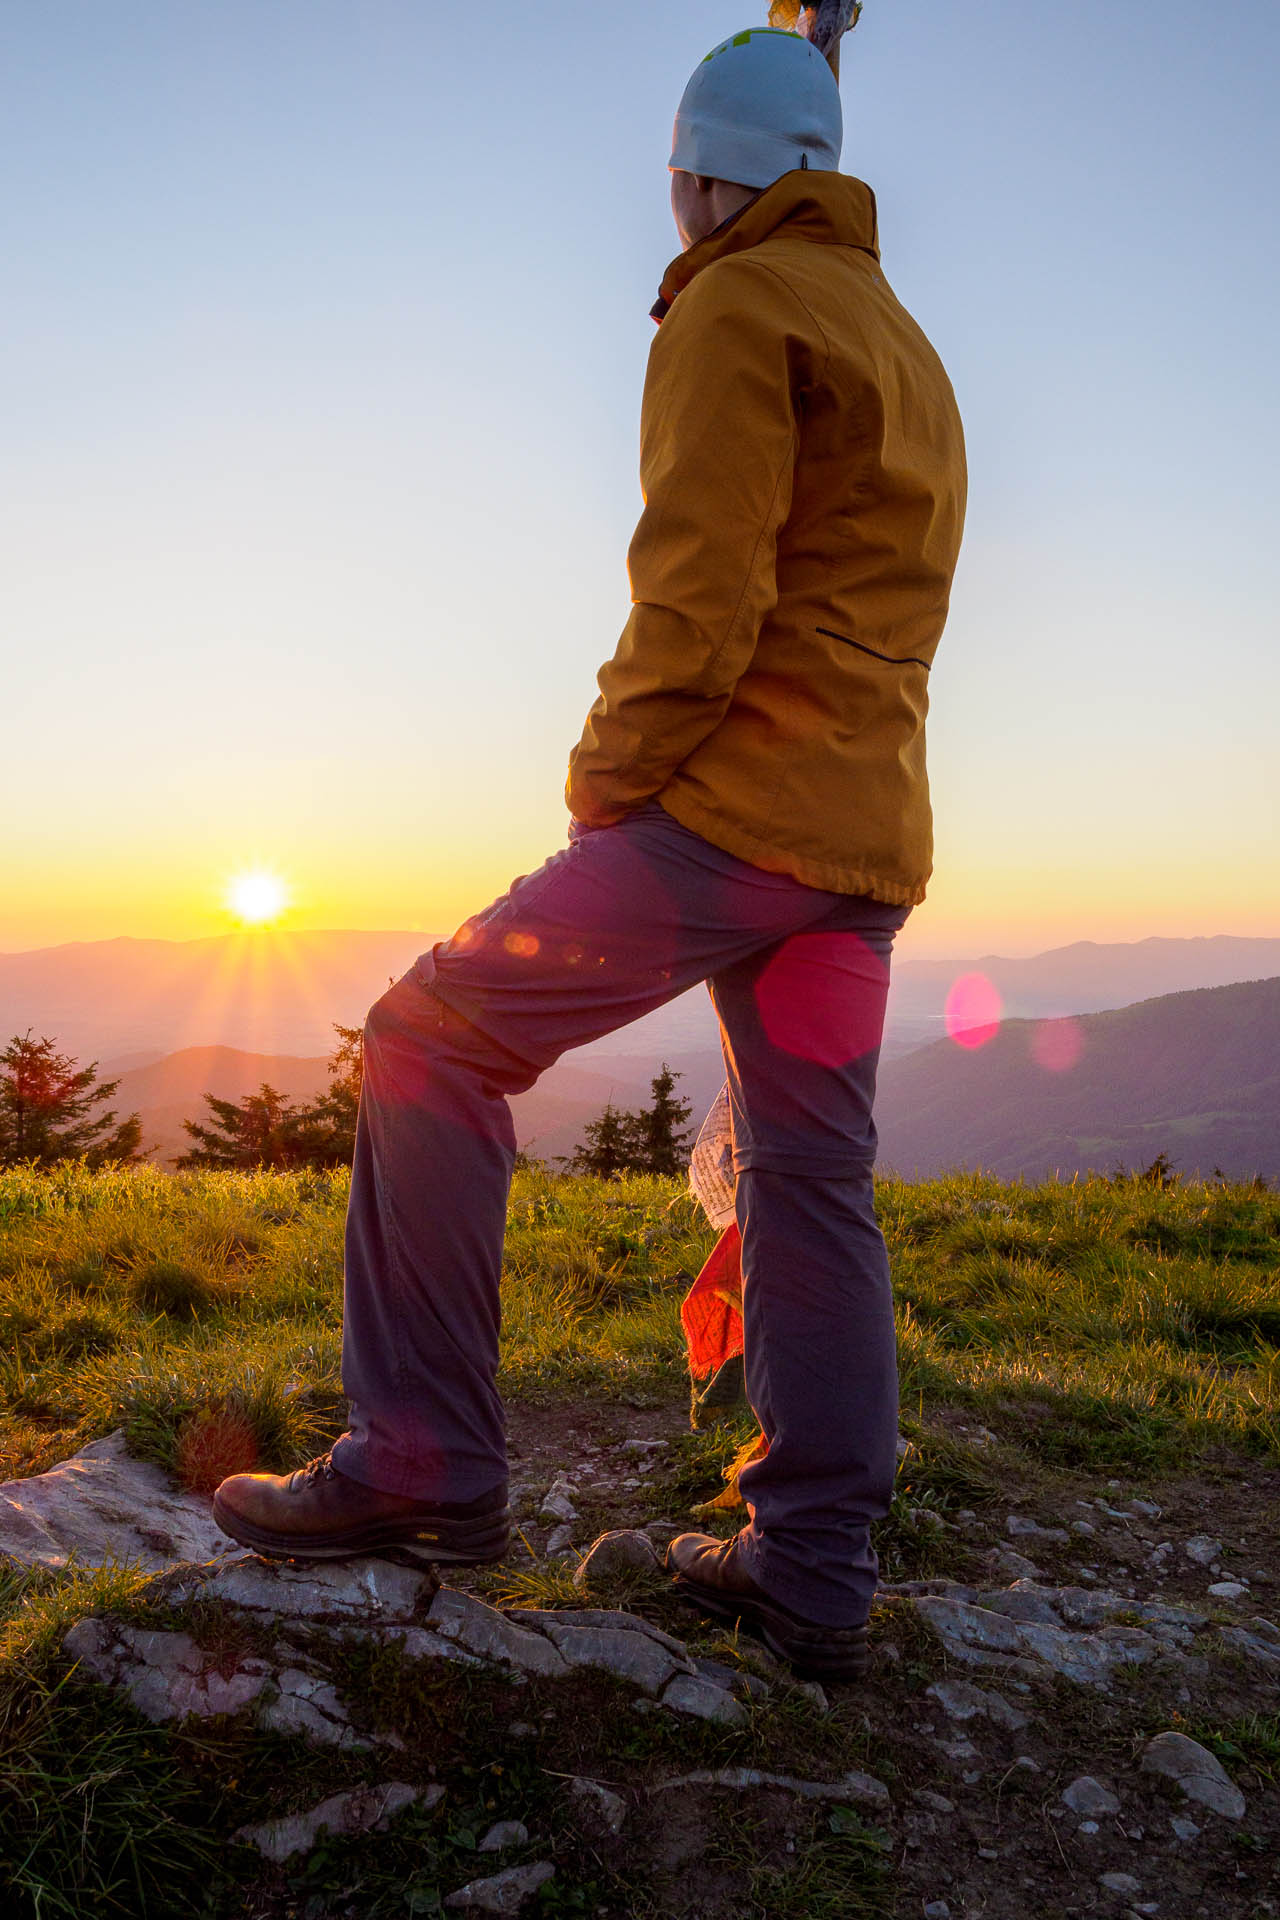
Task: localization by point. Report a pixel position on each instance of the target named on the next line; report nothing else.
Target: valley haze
(1184, 1073)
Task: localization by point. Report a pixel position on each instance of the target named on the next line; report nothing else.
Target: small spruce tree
(660, 1131)
(326, 1130)
(261, 1130)
(47, 1107)
(654, 1140)
(606, 1146)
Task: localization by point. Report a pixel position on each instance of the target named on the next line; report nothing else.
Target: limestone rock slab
(502, 1892)
(361, 1810)
(166, 1676)
(366, 1592)
(101, 1507)
(484, 1631)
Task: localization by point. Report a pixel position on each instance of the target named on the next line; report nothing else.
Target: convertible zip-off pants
(622, 919)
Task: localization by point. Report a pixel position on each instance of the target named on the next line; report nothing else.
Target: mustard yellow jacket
(803, 472)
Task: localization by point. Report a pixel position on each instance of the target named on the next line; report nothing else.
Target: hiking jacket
(803, 473)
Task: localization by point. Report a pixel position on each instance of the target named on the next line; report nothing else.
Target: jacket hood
(828, 209)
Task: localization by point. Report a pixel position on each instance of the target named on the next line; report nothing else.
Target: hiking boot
(318, 1513)
(708, 1574)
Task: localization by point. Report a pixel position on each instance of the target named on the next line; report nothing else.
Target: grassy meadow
(1097, 1320)
(1048, 1335)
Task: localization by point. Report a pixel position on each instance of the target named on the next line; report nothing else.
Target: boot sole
(769, 1624)
(442, 1542)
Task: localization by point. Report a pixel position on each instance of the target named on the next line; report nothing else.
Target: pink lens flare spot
(973, 1011)
(1056, 1045)
(822, 998)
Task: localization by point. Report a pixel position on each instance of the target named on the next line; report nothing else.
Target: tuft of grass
(166, 1286)
(1251, 1741)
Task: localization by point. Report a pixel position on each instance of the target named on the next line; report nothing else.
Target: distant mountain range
(177, 1019)
(1194, 1075)
(126, 1003)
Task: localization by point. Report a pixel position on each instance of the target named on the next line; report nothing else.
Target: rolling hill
(1195, 1075)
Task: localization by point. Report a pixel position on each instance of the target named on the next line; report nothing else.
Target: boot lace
(321, 1468)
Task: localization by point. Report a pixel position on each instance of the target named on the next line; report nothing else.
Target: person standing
(749, 807)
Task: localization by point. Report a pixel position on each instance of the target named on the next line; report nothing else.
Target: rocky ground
(1076, 1714)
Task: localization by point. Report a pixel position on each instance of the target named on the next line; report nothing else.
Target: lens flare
(973, 1011)
(1056, 1045)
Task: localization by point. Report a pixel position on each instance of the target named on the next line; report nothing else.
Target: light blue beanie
(759, 105)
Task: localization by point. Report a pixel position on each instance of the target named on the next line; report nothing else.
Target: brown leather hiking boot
(708, 1575)
(318, 1513)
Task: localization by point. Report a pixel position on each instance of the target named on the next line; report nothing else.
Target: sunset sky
(324, 332)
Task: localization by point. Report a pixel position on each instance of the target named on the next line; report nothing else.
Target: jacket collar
(831, 209)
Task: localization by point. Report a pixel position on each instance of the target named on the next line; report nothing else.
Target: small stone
(1147, 1508)
(644, 1446)
(1185, 1829)
(1120, 1883)
(961, 1701)
(1202, 1549)
(1017, 1526)
(504, 1892)
(1025, 1764)
(609, 1807)
(1196, 1771)
(812, 1690)
(1084, 1529)
(936, 1802)
(555, 1506)
(988, 1853)
(1089, 1827)
(559, 1538)
(936, 1910)
(1228, 1590)
(704, 1700)
(503, 1834)
(624, 1551)
(1088, 1796)
(1014, 1566)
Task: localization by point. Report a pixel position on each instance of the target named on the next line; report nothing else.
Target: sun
(256, 898)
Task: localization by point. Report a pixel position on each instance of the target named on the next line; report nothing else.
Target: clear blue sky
(324, 332)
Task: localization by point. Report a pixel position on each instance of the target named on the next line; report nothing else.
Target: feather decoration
(825, 23)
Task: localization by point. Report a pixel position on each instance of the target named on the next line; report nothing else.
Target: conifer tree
(606, 1147)
(653, 1140)
(660, 1131)
(47, 1107)
(326, 1130)
(260, 1131)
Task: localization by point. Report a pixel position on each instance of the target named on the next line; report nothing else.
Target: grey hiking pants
(621, 920)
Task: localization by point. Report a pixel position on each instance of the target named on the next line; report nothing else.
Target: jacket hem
(829, 878)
